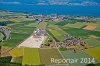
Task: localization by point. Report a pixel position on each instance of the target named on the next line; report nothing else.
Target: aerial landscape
(49, 33)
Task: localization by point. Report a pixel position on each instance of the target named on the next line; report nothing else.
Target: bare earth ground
(90, 28)
(33, 42)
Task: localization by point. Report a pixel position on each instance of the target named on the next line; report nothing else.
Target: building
(40, 32)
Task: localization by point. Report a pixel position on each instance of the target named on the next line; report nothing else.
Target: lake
(53, 9)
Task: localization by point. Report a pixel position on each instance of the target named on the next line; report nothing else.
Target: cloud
(10, 3)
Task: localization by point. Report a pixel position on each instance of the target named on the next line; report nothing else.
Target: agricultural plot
(18, 19)
(71, 55)
(97, 64)
(92, 42)
(17, 60)
(5, 14)
(80, 32)
(53, 22)
(75, 25)
(4, 51)
(94, 52)
(66, 22)
(1, 20)
(20, 24)
(97, 28)
(1, 36)
(47, 54)
(23, 25)
(31, 56)
(10, 14)
(54, 27)
(16, 38)
(42, 25)
(34, 56)
(5, 23)
(61, 31)
(34, 24)
(98, 23)
(56, 34)
(16, 52)
(24, 30)
(85, 35)
(18, 34)
(90, 27)
(18, 16)
(91, 24)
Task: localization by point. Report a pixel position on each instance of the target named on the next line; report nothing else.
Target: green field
(22, 26)
(53, 22)
(34, 24)
(34, 56)
(97, 28)
(47, 54)
(56, 32)
(94, 52)
(54, 27)
(81, 32)
(10, 14)
(42, 25)
(85, 35)
(31, 56)
(56, 35)
(62, 23)
(19, 16)
(71, 55)
(76, 25)
(1, 36)
(93, 42)
(19, 34)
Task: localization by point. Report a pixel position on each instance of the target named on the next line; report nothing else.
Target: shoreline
(49, 14)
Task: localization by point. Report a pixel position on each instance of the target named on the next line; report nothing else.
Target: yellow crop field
(94, 52)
